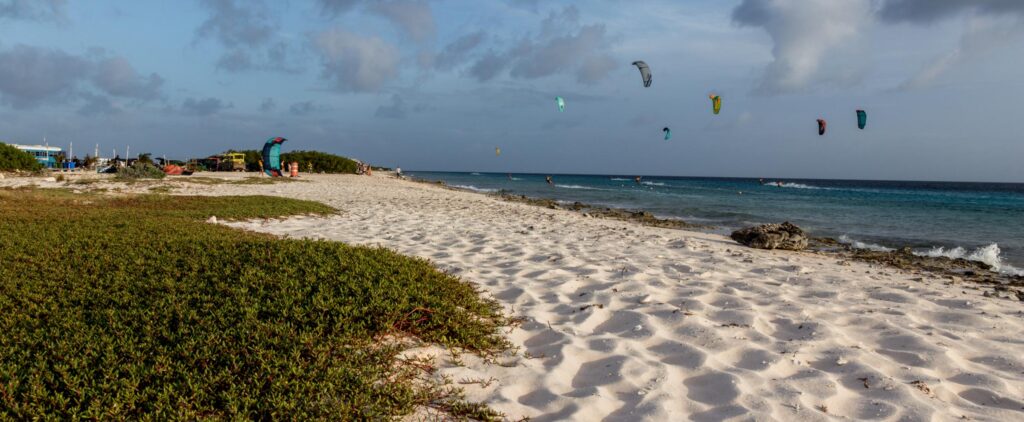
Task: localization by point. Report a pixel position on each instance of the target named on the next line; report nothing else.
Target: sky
(438, 85)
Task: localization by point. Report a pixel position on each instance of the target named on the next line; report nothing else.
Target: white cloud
(806, 33)
(353, 63)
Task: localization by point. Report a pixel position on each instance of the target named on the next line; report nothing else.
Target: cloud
(595, 68)
(236, 25)
(353, 63)
(413, 17)
(304, 108)
(533, 60)
(337, 7)
(397, 109)
(37, 10)
(805, 33)
(98, 105)
(982, 35)
(249, 36)
(30, 76)
(455, 53)
(204, 107)
(235, 61)
(116, 76)
(561, 45)
(928, 11)
(268, 105)
(489, 66)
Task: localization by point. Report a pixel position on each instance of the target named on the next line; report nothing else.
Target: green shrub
(140, 170)
(322, 162)
(12, 159)
(131, 307)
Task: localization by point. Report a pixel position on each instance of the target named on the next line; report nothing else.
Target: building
(46, 155)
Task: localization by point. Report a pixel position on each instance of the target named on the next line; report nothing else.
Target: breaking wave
(474, 188)
(985, 254)
(856, 244)
(575, 187)
(652, 183)
(801, 186)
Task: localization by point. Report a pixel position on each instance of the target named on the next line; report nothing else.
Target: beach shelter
(272, 156)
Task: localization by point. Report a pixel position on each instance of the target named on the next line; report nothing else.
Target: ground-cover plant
(132, 307)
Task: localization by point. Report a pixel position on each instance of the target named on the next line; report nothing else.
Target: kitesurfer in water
(761, 181)
(548, 179)
(637, 179)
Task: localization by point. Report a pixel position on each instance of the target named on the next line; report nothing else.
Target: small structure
(44, 154)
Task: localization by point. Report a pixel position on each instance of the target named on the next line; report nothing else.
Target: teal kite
(272, 156)
(561, 103)
(668, 133)
(862, 118)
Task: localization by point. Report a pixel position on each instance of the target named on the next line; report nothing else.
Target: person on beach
(548, 179)
(398, 172)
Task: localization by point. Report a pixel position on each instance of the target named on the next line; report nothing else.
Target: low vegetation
(140, 170)
(13, 159)
(321, 162)
(132, 307)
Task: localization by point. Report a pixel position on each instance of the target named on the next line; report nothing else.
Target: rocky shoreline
(955, 270)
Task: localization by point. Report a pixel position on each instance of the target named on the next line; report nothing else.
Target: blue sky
(437, 85)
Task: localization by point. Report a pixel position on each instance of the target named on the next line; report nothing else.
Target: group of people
(363, 168)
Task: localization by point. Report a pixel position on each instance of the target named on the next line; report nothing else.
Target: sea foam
(856, 244)
(474, 188)
(985, 254)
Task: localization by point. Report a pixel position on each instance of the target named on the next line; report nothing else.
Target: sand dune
(625, 322)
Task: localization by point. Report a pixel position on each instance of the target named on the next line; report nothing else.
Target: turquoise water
(980, 221)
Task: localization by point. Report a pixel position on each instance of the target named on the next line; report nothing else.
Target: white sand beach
(626, 322)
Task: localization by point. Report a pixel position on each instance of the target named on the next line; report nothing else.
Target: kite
(716, 103)
(272, 156)
(645, 72)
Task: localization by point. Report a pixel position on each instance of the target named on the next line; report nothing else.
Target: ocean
(977, 221)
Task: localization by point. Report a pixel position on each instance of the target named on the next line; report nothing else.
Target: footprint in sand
(715, 388)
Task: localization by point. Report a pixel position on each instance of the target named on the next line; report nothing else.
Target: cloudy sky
(437, 85)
